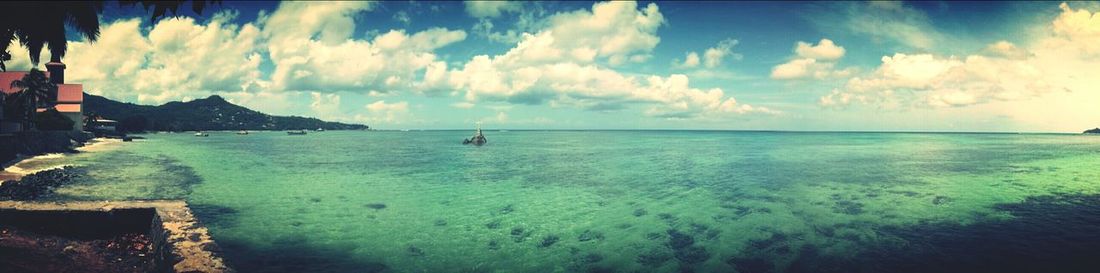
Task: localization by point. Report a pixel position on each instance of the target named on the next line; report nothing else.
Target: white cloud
(560, 65)
(490, 9)
(333, 61)
(824, 50)
(691, 60)
(383, 112)
(1060, 64)
(463, 105)
(326, 106)
(712, 57)
(403, 17)
(1006, 50)
(812, 61)
(176, 59)
(884, 22)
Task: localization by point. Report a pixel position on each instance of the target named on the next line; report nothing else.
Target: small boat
(320, 129)
(478, 139)
(201, 134)
(242, 132)
(299, 132)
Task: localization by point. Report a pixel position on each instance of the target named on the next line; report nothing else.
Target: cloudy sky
(912, 66)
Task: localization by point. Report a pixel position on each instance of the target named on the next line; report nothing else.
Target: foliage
(36, 88)
(41, 24)
(133, 124)
(52, 120)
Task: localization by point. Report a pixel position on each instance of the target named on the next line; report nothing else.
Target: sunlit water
(624, 201)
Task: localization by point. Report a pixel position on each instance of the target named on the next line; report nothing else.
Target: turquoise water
(621, 201)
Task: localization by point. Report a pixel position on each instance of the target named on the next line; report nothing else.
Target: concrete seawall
(179, 242)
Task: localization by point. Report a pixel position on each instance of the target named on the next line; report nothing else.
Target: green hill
(212, 113)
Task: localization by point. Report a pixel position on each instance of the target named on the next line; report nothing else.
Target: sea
(622, 201)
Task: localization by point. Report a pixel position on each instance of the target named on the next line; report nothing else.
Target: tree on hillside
(36, 88)
(42, 23)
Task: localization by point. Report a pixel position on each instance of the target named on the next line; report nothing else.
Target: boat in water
(478, 139)
(242, 132)
(201, 134)
(298, 132)
(320, 129)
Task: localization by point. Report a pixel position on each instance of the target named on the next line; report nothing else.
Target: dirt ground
(25, 252)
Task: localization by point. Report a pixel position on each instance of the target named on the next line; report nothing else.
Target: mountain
(1093, 131)
(212, 113)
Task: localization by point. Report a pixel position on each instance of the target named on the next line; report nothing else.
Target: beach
(23, 166)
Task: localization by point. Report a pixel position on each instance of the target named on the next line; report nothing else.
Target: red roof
(70, 93)
(68, 108)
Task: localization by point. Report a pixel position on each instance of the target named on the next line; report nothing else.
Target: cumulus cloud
(1006, 50)
(1055, 64)
(824, 50)
(712, 57)
(177, 59)
(560, 65)
(320, 55)
(490, 9)
(812, 61)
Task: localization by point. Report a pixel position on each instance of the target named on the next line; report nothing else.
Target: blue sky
(891, 66)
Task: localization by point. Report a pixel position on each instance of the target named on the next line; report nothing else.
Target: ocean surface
(623, 201)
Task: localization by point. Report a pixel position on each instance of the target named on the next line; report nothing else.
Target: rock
(940, 200)
(549, 240)
(440, 222)
(494, 245)
(640, 212)
(519, 235)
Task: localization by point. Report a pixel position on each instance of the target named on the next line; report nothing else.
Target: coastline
(20, 167)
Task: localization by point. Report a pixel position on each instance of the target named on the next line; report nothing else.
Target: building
(68, 100)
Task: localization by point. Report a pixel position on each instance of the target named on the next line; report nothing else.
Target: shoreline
(17, 168)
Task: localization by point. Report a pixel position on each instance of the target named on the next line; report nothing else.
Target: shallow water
(624, 201)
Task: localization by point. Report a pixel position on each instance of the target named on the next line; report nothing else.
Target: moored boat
(478, 139)
(298, 132)
(201, 134)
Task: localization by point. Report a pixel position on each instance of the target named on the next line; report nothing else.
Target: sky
(816, 66)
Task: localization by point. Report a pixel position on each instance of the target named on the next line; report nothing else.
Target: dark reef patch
(494, 224)
(549, 240)
(589, 235)
(678, 240)
(654, 257)
(376, 206)
(297, 254)
(1059, 233)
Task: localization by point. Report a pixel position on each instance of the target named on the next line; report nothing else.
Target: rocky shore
(38, 185)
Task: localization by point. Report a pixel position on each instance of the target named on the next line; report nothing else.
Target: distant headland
(212, 113)
(1093, 131)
